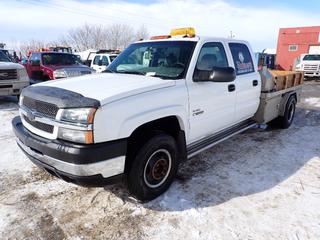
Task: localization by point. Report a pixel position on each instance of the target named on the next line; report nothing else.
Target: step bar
(208, 142)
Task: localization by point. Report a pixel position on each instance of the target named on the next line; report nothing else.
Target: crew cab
(161, 101)
(310, 65)
(42, 66)
(102, 59)
(13, 77)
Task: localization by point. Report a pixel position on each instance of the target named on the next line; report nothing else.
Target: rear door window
(241, 58)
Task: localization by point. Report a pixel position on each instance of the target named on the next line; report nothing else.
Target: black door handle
(255, 83)
(231, 87)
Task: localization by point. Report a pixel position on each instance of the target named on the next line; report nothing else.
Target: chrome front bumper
(84, 164)
(8, 88)
(106, 168)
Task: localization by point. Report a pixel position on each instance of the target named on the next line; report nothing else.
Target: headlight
(78, 115)
(22, 74)
(76, 135)
(60, 73)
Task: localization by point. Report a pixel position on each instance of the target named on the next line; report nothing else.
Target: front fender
(137, 120)
(111, 125)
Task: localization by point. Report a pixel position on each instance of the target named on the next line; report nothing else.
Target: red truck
(42, 66)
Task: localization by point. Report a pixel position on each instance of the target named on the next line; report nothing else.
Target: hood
(10, 65)
(109, 87)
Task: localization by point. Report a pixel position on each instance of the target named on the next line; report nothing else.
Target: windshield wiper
(161, 76)
(131, 72)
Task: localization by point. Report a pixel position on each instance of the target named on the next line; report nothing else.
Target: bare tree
(142, 33)
(116, 36)
(85, 37)
(31, 45)
(119, 36)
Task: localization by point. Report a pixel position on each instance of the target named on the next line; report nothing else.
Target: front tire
(154, 168)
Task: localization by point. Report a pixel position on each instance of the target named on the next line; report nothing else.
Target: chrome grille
(310, 67)
(44, 108)
(8, 74)
(85, 72)
(41, 126)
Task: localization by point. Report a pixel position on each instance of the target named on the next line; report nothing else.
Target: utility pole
(232, 35)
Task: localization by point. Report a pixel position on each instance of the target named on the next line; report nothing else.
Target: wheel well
(294, 95)
(169, 125)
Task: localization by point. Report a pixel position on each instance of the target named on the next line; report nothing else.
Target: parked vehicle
(13, 77)
(162, 101)
(54, 65)
(102, 59)
(309, 64)
(62, 49)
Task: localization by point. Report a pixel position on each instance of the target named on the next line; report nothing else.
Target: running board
(199, 146)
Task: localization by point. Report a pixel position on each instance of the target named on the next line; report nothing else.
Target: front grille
(44, 108)
(311, 67)
(42, 126)
(73, 73)
(85, 72)
(8, 74)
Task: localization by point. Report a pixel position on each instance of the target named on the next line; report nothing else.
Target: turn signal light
(160, 37)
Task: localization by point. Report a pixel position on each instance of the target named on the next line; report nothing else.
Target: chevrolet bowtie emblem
(30, 116)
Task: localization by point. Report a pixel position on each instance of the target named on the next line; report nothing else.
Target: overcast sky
(255, 21)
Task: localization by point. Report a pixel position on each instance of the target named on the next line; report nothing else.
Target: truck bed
(277, 87)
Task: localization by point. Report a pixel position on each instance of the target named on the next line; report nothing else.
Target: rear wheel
(286, 120)
(154, 168)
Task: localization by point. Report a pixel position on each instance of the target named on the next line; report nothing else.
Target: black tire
(285, 121)
(153, 168)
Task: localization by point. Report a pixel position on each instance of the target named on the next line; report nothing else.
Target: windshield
(313, 57)
(164, 59)
(60, 59)
(3, 57)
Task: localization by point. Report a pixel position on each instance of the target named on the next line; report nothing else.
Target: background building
(292, 42)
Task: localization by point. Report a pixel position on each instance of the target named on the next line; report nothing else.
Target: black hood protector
(62, 98)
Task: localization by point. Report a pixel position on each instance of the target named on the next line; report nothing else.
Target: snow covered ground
(262, 184)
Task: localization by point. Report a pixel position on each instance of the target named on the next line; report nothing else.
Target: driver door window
(211, 55)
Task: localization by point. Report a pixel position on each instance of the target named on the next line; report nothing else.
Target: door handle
(255, 83)
(231, 87)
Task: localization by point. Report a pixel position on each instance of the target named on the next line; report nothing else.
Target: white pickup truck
(162, 101)
(102, 59)
(13, 77)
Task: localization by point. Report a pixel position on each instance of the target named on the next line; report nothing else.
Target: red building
(292, 42)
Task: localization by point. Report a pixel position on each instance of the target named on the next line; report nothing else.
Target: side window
(96, 60)
(212, 55)
(105, 61)
(35, 57)
(241, 58)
